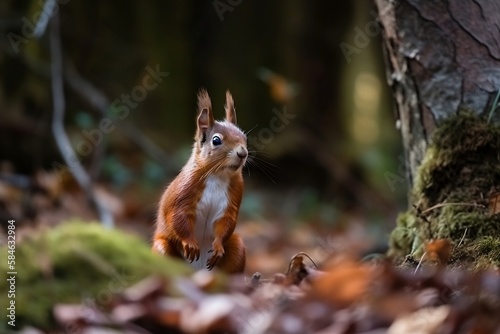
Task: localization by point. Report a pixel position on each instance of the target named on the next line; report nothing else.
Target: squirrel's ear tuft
(229, 107)
(204, 101)
(205, 117)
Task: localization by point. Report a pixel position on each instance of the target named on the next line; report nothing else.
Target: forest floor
(299, 278)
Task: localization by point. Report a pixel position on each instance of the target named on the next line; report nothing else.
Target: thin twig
(101, 103)
(424, 218)
(60, 135)
(304, 254)
(446, 204)
(463, 237)
(420, 262)
(494, 106)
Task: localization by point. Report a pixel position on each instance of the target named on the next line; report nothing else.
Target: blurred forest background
(334, 163)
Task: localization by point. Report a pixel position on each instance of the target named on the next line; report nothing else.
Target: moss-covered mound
(77, 262)
(459, 173)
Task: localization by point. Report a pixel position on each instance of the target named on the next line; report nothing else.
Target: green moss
(461, 165)
(488, 247)
(405, 236)
(77, 261)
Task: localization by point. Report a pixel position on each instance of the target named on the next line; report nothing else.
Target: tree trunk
(443, 62)
(442, 57)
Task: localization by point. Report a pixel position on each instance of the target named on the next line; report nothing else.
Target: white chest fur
(212, 205)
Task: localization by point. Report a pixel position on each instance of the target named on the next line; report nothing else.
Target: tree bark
(442, 57)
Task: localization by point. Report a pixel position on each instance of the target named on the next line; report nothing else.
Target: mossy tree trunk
(443, 64)
(442, 56)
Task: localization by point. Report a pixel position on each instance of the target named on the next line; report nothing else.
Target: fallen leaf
(424, 321)
(494, 203)
(345, 283)
(438, 250)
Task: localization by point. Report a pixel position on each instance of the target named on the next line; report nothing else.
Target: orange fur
(177, 213)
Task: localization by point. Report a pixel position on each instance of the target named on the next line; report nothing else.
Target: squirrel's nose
(242, 153)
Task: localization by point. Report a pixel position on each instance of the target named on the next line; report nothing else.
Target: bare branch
(60, 135)
(100, 102)
(49, 9)
(440, 205)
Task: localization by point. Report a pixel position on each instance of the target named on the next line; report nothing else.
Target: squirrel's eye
(216, 141)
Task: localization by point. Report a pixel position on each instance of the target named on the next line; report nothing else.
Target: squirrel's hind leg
(233, 261)
(164, 246)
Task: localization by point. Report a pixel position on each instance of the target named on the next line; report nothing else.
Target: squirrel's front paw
(191, 250)
(217, 253)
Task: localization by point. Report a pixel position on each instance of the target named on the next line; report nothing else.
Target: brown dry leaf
(149, 287)
(268, 292)
(212, 313)
(30, 330)
(297, 270)
(393, 305)
(128, 312)
(438, 250)
(344, 283)
(54, 184)
(494, 203)
(424, 321)
(169, 311)
(204, 280)
(9, 193)
(11, 197)
(66, 314)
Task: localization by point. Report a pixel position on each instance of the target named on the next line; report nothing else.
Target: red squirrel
(198, 211)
